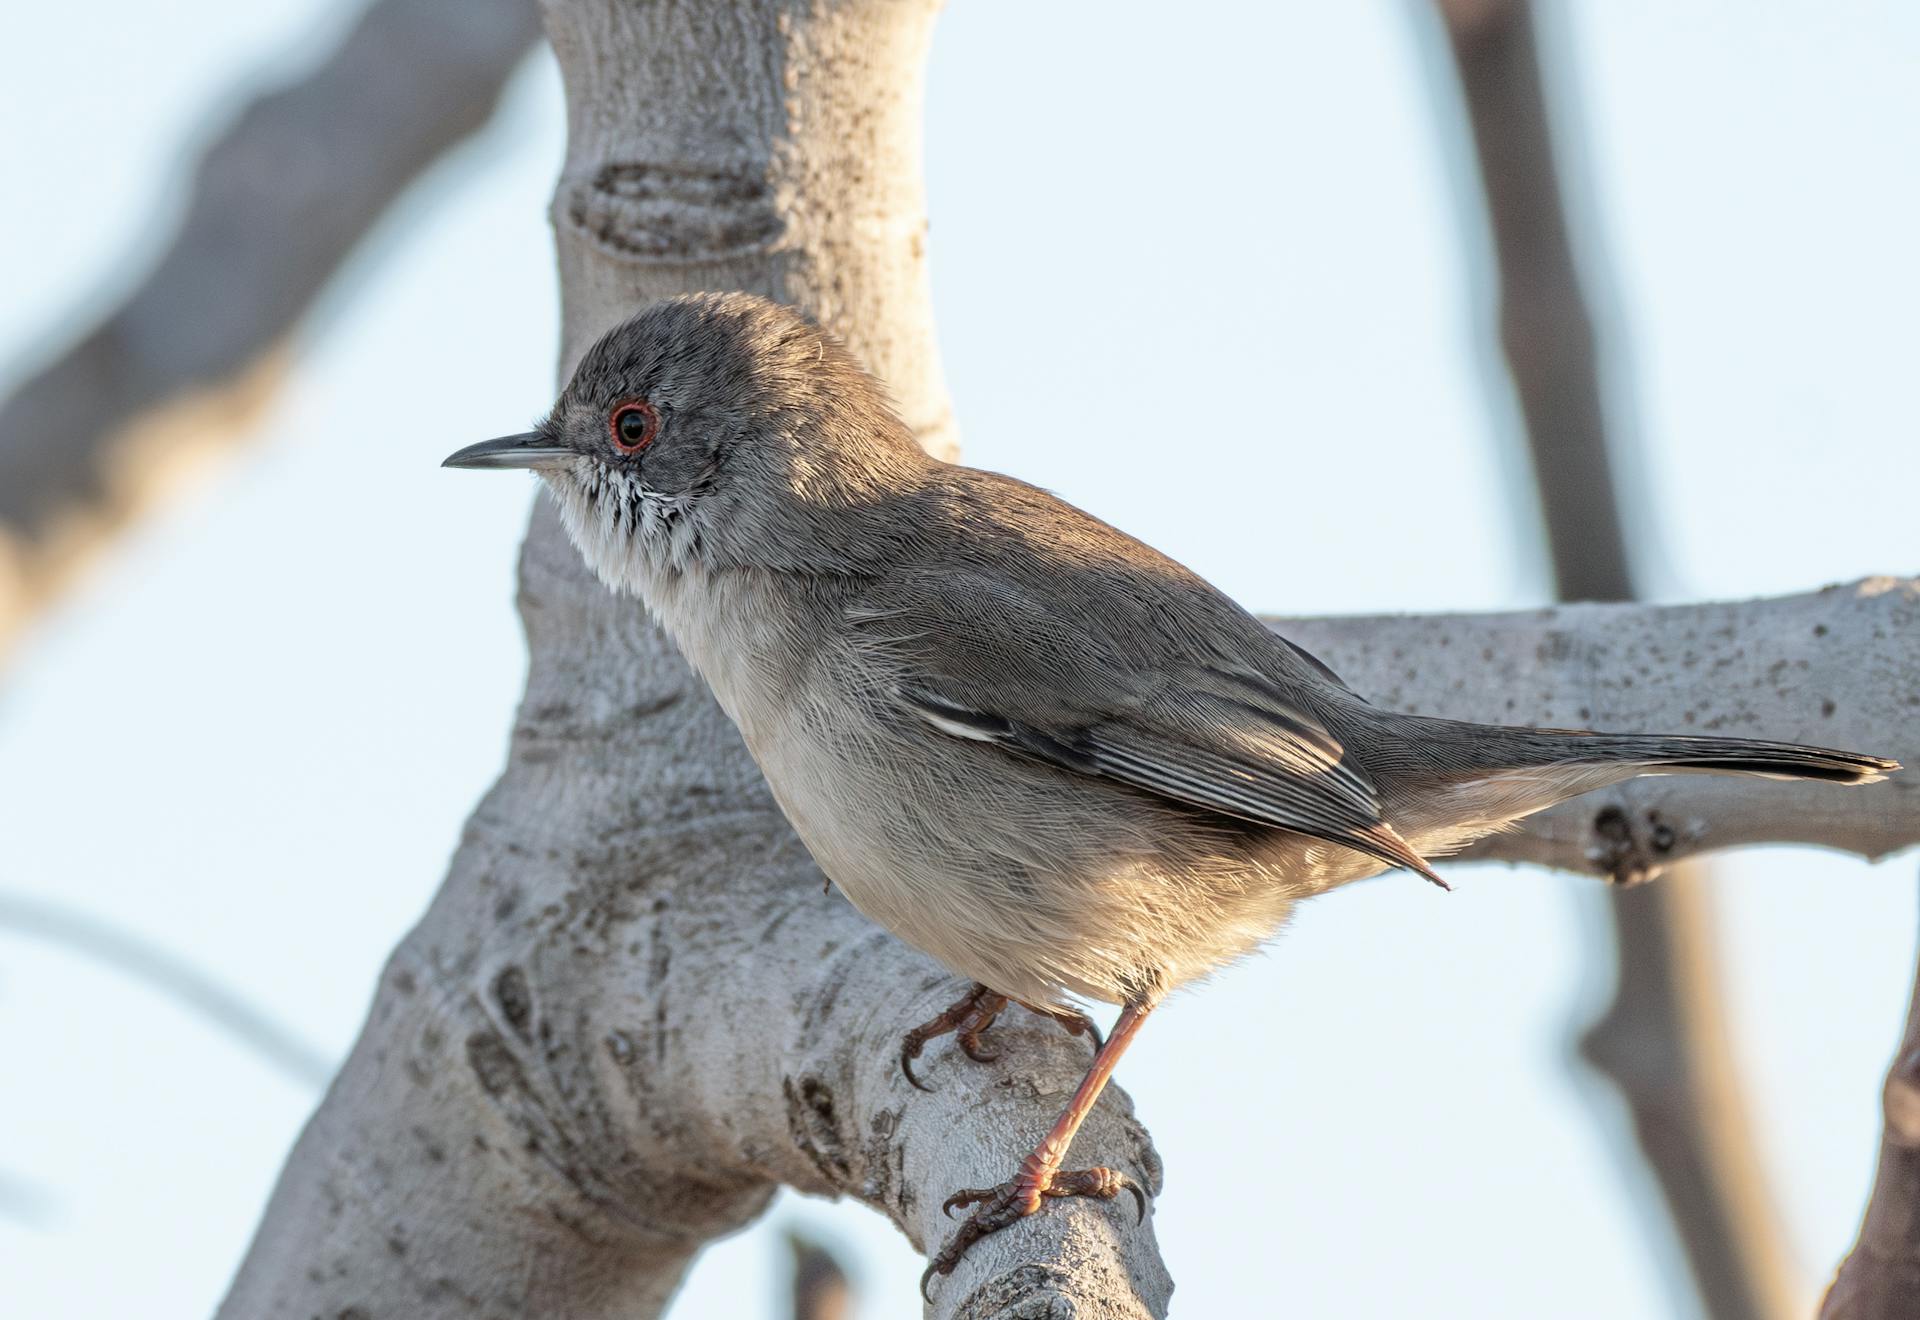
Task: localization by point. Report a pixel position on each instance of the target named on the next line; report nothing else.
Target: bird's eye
(633, 425)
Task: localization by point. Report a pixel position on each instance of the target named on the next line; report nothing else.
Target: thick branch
(1838, 667)
(1880, 1278)
(276, 204)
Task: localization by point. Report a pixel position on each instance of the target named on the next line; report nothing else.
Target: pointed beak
(526, 450)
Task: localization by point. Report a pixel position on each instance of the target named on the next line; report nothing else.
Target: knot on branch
(674, 212)
(1631, 846)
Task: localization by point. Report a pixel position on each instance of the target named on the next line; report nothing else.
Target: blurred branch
(1663, 1039)
(820, 1287)
(277, 202)
(26, 1203)
(177, 978)
(1880, 1278)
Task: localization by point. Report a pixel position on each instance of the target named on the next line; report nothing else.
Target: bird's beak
(526, 450)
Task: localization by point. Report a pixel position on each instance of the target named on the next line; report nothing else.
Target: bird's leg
(969, 1015)
(1040, 1175)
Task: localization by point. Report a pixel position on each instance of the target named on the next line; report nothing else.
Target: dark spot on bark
(1661, 836)
(813, 1124)
(431, 1148)
(1827, 708)
(506, 905)
(1610, 826)
(493, 1064)
(516, 1002)
(405, 982)
(1819, 630)
(642, 710)
(396, 1244)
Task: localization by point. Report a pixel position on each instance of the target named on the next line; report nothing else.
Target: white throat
(630, 536)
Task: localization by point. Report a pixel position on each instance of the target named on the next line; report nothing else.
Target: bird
(1033, 747)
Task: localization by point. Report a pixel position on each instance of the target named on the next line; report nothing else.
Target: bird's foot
(968, 1016)
(1076, 1023)
(1011, 1202)
(968, 1019)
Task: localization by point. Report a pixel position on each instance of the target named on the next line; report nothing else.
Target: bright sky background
(1201, 274)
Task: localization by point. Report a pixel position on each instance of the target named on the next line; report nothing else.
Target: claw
(976, 1049)
(1011, 1202)
(968, 1196)
(909, 1051)
(1073, 1021)
(969, 1015)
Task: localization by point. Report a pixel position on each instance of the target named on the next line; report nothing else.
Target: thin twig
(179, 979)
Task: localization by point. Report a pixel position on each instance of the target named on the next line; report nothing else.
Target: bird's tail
(1452, 782)
(1657, 753)
(1431, 749)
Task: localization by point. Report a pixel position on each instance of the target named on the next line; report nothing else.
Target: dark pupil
(633, 426)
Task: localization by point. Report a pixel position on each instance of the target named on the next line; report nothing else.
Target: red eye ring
(633, 425)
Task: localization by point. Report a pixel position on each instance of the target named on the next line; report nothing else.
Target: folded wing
(987, 663)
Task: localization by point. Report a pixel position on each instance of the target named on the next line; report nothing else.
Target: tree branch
(1880, 1278)
(276, 204)
(1838, 667)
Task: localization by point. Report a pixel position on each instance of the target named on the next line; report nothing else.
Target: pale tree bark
(183, 366)
(631, 1012)
(1880, 1278)
(1663, 1039)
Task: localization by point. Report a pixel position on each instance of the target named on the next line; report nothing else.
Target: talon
(970, 1015)
(1072, 1021)
(909, 1051)
(967, 1196)
(976, 1049)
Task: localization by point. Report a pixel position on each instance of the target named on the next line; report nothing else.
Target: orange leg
(970, 1016)
(1040, 1175)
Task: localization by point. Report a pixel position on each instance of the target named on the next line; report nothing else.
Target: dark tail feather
(1730, 755)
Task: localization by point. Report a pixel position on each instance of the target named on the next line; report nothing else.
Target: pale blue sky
(1202, 275)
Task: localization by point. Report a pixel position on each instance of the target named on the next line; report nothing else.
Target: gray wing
(1112, 695)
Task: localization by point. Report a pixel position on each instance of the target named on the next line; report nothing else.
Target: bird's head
(711, 429)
